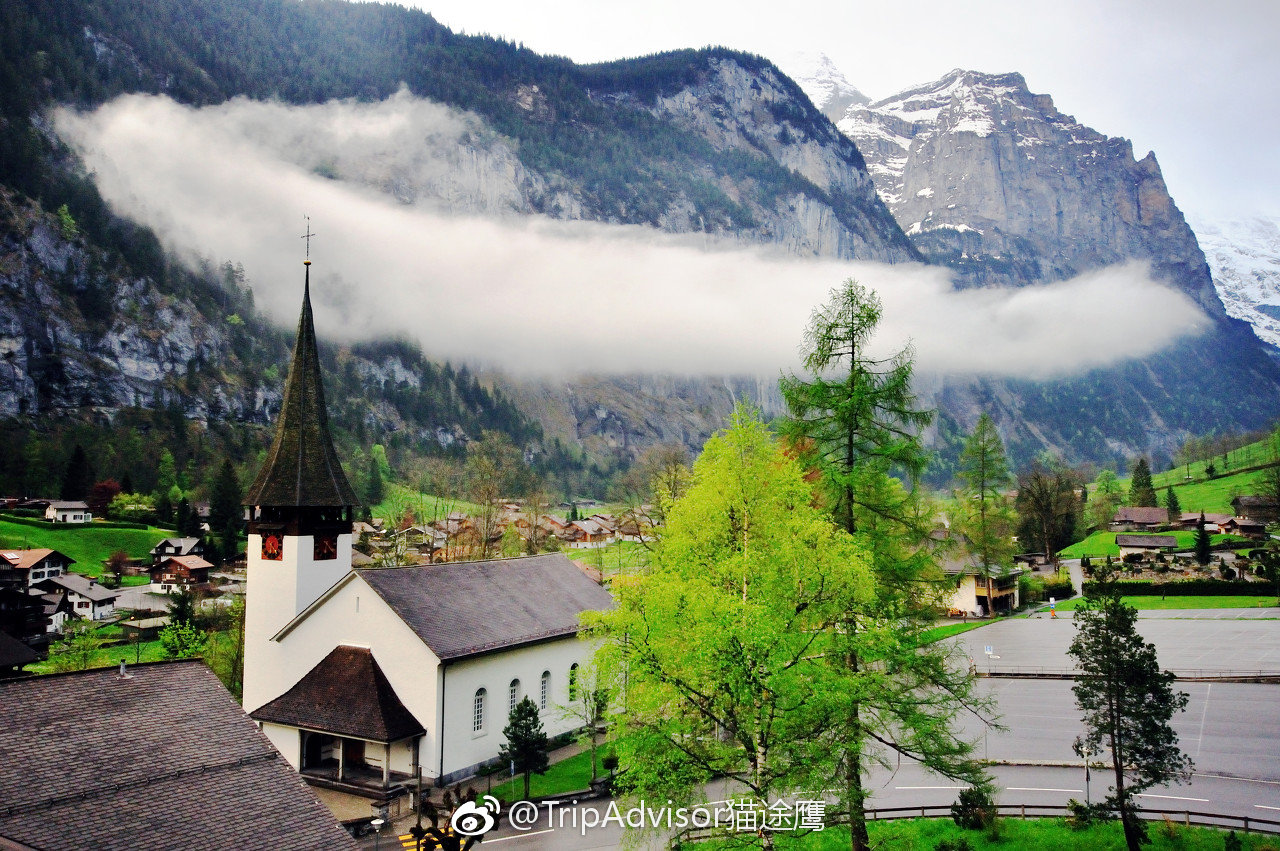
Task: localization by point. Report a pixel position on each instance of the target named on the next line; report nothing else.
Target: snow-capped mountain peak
(1244, 256)
(823, 82)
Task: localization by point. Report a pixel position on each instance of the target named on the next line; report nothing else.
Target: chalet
(979, 592)
(57, 608)
(22, 616)
(1246, 527)
(177, 573)
(1139, 519)
(362, 676)
(588, 534)
(1145, 544)
(177, 547)
(1189, 521)
(159, 757)
(68, 512)
(143, 629)
(24, 568)
(90, 600)
(1263, 508)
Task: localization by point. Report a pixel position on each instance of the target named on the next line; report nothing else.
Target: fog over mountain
(536, 295)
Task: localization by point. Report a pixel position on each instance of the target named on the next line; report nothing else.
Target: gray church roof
(163, 758)
(302, 468)
(465, 609)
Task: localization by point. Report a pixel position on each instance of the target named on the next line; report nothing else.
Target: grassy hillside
(1234, 474)
(1103, 544)
(90, 546)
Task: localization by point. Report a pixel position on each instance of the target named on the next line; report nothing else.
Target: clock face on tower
(326, 547)
(272, 549)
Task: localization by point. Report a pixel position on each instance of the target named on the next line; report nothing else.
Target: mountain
(994, 182)
(1244, 255)
(710, 141)
(824, 83)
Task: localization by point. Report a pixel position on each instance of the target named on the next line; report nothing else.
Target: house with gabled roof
(89, 599)
(75, 511)
(24, 568)
(363, 678)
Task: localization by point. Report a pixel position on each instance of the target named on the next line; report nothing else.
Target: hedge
(1059, 590)
(96, 524)
(1186, 588)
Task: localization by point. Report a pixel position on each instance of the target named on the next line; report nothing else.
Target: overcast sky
(1197, 82)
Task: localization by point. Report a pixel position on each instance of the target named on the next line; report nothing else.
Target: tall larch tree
(985, 516)
(855, 419)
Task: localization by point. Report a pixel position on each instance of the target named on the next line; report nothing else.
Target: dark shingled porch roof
(302, 468)
(464, 609)
(348, 695)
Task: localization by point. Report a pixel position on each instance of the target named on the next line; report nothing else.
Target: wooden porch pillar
(386, 765)
(342, 756)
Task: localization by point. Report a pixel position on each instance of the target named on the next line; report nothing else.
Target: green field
(1103, 544)
(426, 507)
(1197, 492)
(947, 630)
(1149, 603)
(569, 775)
(88, 544)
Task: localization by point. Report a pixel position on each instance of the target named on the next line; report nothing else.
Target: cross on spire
(307, 236)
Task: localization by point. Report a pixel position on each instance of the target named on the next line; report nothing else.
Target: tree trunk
(859, 840)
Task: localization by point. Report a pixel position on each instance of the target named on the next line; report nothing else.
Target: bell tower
(300, 511)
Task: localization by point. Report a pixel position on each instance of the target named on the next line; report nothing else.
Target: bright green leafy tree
(1127, 703)
(724, 637)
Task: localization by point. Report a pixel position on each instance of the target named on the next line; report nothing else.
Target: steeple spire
(302, 468)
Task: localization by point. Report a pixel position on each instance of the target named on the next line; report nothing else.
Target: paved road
(1184, 643)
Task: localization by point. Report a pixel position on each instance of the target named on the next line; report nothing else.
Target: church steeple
(302, 469)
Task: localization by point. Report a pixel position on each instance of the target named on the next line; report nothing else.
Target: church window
(545, 697)
(477, 716)
(573, 682)
(513, 695)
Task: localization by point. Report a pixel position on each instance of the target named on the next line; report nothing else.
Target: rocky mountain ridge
(1244, 255)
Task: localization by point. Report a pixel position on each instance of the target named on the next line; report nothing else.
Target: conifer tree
(1172, 505)
(1127, 703)
(77, 476)
(527, 745)
(986, 518)
(1141, 491)
(856, 420)
(1204, 547)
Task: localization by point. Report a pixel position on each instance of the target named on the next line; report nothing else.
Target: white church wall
(356, 616)
(286, 740)
(463, 747)
(965, 598)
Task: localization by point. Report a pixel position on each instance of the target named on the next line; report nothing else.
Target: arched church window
(545, 698)
(513, 695)
(573, 682)
(477, 716)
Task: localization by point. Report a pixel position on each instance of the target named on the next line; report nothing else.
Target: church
(363, 677)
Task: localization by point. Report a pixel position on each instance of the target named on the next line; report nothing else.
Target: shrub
(1231, 842)
(961, 844)
(1227, 572)
(974, 809)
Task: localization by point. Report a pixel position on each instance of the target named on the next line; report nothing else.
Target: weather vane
(307, 236)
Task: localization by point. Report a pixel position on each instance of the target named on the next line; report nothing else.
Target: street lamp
(377, 831)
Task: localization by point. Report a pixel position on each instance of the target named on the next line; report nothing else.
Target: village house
(22, 616)
(14, 655)
(179, 573)
(1261, 508)
(364, 678)
(1139, 520)
(89, 600)
(1189, 521)
(588, 534)
(1145, 545)
(57, 608)
(24, 568)
(177, 547)
(68, 512)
